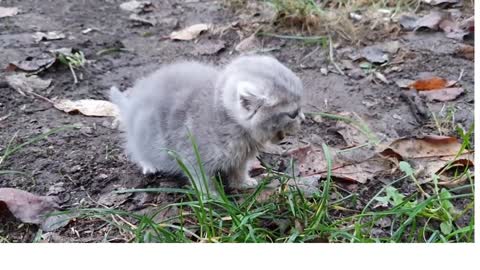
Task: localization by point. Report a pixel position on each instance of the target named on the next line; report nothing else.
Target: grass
(303, 18)
(426, 215)
(285, 214)
(73, 60)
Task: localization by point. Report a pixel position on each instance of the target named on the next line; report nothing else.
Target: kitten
(231, 113)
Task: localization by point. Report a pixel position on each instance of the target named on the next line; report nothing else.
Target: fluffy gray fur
(231, 112)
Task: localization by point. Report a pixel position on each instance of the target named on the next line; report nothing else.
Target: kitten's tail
(118, 98)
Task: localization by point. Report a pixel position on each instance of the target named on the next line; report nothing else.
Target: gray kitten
(231, 113)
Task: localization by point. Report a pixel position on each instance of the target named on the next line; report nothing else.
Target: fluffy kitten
(231, 113)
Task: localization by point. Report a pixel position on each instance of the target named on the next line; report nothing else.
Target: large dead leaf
(445, 94)
(8, 11)
(429, 154)
(33, 63)
(27, 207)
(89, 107)
(452, 29)
(311, 161)
(427, 146)
(27, 84)
(190, 32)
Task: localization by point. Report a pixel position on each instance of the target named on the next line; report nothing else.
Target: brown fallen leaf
(34, 64)
(311, 161)
(8, 11)
(190, 32)
(465, 51)
(27, 207)
(431, 83)
(445, 94)
(421, 147)
(27, 84)
(351, 134)
(429, 154)
(89, 107)
(452, 29)
(430, 21)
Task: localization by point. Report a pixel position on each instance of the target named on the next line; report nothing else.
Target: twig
(461, 75)
(331, 56)
(75, 80)
(42, 97)
(5, 117)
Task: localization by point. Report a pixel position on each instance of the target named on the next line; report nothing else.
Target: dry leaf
(452, 29)
(190, 32)
(441, 2)
(431, 83)
(33, 64)
(26, 84)
(137, 6)
(311, 161)
(421, 147)
(8, 11)
(466, 51)
(27, 207)
(89, 107)
(445, 94)
(375, 54)
(351, 134)
(429, 154)
(430, 21)
(114, 199)
(144, 19)
(408, 22)
(209, 47)
(404, 83)
(39, 36)
(248, 44)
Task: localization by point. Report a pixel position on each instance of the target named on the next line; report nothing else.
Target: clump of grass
(334, 18)
(287, 215)
(300, 14)
(235, 4)
(74, 60)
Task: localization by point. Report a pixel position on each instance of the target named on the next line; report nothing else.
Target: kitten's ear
(249, 96)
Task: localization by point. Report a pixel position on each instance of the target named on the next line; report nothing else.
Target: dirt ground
(87, 162)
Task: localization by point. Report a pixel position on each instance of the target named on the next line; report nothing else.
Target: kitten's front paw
(148, 170)
(247, 183)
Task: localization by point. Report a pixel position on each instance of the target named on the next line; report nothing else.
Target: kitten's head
(263, 96)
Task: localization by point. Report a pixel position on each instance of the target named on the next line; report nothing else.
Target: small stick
(461, 75)
(75, 80)
(42, 97)
(331, 56)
